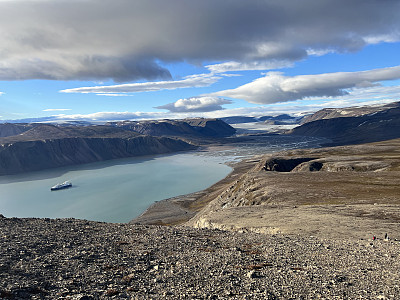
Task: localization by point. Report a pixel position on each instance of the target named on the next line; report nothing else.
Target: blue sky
(117, 60)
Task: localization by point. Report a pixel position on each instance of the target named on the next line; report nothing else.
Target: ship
(60, 186)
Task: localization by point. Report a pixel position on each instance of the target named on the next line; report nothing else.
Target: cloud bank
(247, 66)
(199, 80)
(275, 87)
(130, 40)
(56, 109)
(196, 104)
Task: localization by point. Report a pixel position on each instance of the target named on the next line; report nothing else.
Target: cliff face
(24, 156)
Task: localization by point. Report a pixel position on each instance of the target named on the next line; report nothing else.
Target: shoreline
(180, 209)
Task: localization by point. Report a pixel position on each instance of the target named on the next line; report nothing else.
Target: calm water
(120, 190)
(113, 191)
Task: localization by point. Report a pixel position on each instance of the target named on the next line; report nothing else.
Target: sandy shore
(179, 209)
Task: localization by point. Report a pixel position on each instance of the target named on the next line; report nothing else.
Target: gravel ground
(78, 259)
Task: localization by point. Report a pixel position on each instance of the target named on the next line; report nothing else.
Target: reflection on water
(120, 190)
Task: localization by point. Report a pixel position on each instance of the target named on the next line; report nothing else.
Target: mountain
(277, 120)
(284, 118)
(380, 125)
(239, 119)
(197, 127)
(330, 113)
(9, 129)
(49, 146)
(211, 127)
(48, 131)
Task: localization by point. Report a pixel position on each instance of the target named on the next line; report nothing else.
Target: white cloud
(319, 52)
(199, 80)
(196, 104)
(110, 116)
(113, 95)
(130, 40)
(56, 109)
(2, 93)
(248, 66)
(275, 87)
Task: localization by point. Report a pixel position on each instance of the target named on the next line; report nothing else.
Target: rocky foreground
(77, 259)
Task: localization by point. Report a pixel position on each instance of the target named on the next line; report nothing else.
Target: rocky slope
(378, 126)
(51, 153)
(330, 113)
(49, 146)
(350, 191)
(38, 131)
(197, 127)
(8, 129)
(74, 259)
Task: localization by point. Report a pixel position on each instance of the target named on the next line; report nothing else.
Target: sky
(100, 60)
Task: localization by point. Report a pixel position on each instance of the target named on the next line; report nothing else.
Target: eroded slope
(350, 191)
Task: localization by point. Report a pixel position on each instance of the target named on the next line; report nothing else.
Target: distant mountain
(211, 127)
(273, 120)
(48, 146)
(31, 147)
(197, 127)
(48, 131)
(284, 117)
(239, 119)
(380, 125)
(9, 129)
(330, 113)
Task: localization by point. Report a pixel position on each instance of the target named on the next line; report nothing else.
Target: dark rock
(86, 298)
(315, 166)
(278, 164)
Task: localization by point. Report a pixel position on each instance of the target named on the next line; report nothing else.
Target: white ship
(61, 186)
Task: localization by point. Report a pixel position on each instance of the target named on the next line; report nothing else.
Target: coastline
(179, 209)
(355, 195)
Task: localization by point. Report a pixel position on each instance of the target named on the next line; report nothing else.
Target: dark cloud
(126, 40)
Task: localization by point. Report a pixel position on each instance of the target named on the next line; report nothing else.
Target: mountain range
(31, 147)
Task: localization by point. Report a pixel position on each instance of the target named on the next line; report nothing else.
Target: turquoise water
(120, 190)
(112, 191)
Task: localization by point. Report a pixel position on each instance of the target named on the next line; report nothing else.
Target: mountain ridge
(382, 124)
